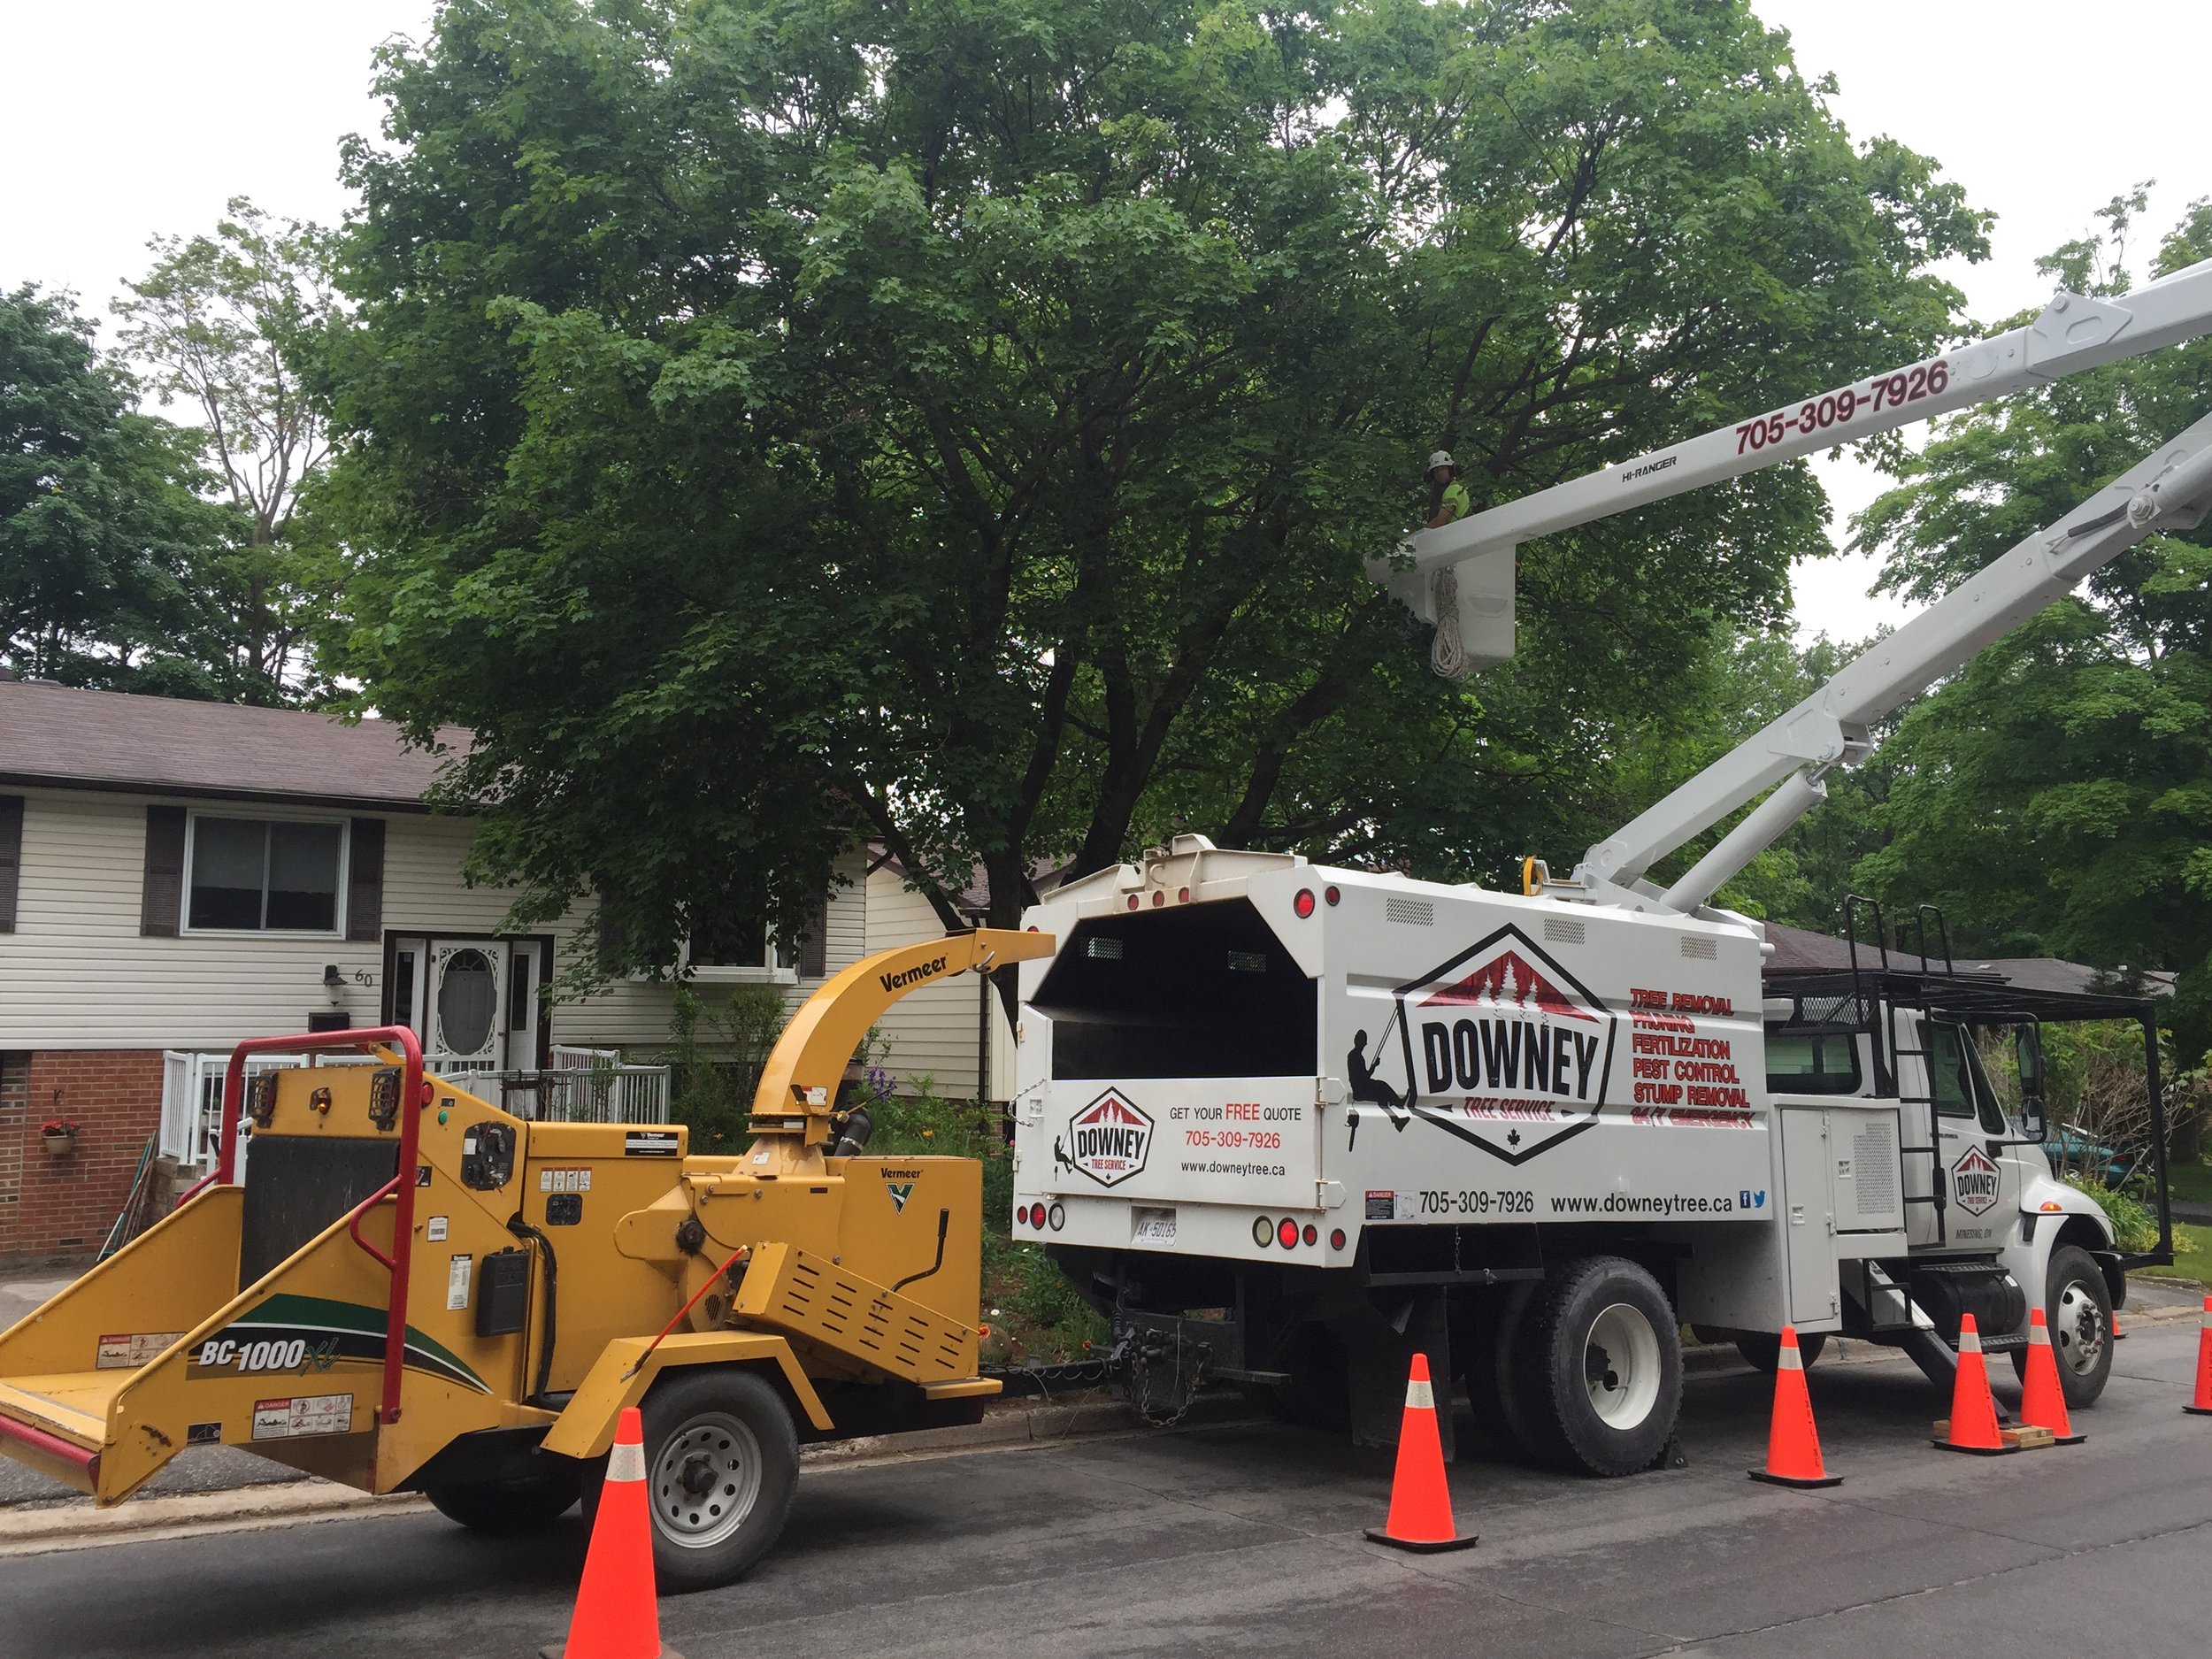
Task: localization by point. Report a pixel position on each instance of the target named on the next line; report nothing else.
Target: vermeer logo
(900, 1191)
(1111, 1137)
(1974, 1181)
(1500, 1046)
(914, 975)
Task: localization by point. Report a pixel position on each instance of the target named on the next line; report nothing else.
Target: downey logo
(1502, 1047)
(1111, 1138)
(1974, 1181)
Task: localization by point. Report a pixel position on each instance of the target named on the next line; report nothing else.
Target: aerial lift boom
(1453, 574)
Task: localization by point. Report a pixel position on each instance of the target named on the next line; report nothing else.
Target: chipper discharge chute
(413, 1289)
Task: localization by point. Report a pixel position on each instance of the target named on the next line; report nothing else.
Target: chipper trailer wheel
(722, 1464)
(1600, 1367)
(2077, 1306)
(527, 1504)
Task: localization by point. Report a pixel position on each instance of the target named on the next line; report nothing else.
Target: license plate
(1151, 1226)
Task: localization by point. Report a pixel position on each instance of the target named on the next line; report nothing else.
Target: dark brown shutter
(610, 939)
(814, 942)
(365, 881)
(10, 857)
(161, 900)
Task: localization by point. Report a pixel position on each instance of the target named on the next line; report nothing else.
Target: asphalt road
(1245, 1538)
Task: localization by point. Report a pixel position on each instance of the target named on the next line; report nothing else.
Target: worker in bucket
(1454, 501)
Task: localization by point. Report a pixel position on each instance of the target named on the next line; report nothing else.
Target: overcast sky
(126, 118)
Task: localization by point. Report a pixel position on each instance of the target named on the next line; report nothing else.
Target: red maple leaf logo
(1509, 981)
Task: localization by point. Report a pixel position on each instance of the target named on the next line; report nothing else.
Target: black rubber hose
(522, 1229)
(944, 1226)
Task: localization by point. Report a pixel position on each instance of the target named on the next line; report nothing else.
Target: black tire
(2078, 1307)
(1604, 1368)
(530, 1504)
(1763, 1353)
(1475, 1323)
(1519, 1377)
(731, 1425)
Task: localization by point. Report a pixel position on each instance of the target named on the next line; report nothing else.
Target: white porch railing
(589, 1085)
(582, 1085)
(192, 1100)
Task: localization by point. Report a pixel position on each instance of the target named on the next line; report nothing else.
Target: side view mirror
(2027, 1048)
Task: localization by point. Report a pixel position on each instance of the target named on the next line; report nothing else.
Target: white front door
(472, 1002)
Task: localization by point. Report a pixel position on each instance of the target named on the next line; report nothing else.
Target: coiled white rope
(1448, 651)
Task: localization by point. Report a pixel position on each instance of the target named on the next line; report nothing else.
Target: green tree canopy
(223, 323)
(101, 537)
(2056, 795)
(963, 422)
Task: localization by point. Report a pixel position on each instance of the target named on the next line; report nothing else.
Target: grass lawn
(2191, 1182)
(2194, 1263)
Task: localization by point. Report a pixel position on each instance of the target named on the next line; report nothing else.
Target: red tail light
(1303, 902)
(1336, 1238)
(1286, 1233)
(1312, 1232)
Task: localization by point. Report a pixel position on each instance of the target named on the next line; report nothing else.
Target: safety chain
(1144, 1351)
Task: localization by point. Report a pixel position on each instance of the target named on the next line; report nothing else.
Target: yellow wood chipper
(411, 1290)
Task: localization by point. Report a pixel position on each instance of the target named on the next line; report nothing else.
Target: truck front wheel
(1602, 1368)
(721, 1467)
(2078, 1307)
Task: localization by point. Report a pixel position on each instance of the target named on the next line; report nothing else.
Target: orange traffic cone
(1420, 1503)
(1792, 1443)
(2117, 1333)
(2201, 1406)
(2043, 1399)
(616, 1615)
(1973, 1426)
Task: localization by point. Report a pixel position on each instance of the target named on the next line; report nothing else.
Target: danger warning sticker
(132, 1349)
(301, 1415)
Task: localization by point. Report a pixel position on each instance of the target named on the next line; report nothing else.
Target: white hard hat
(1442, 458)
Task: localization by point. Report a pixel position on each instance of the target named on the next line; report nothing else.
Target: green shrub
(2134, 1223)
(721, 1046)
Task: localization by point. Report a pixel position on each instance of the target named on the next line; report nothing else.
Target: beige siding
(932, 1030)
(76, 973)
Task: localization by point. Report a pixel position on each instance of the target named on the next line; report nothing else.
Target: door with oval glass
(472, 1002)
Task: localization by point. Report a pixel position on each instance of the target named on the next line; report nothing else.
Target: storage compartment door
(1809, 1223)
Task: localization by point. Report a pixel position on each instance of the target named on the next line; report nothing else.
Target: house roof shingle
(61, 737)
(1800, 951)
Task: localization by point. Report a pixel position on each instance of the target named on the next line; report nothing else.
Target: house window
(263, 875)
(740, 954)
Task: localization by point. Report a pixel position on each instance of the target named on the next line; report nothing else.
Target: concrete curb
(78, 1525)
(1018, 1423)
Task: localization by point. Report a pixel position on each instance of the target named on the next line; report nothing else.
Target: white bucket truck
(1287, 1124)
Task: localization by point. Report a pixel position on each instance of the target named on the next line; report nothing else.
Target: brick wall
(63, 1206)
